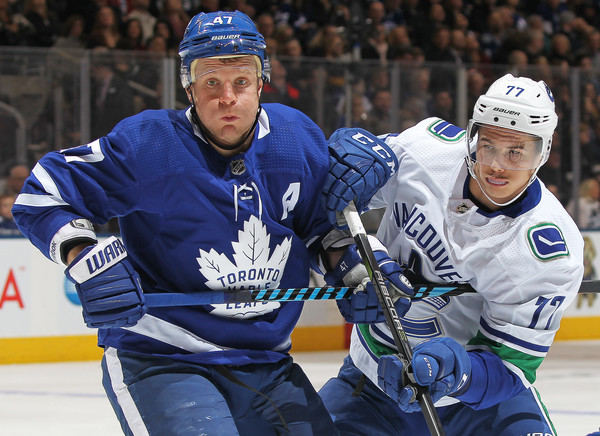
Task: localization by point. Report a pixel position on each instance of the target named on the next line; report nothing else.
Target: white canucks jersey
(525, 261)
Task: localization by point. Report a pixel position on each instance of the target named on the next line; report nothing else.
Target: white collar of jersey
(263, 124)
(197, 132)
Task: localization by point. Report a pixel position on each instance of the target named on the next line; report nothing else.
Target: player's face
(505, 161)
(226, 95)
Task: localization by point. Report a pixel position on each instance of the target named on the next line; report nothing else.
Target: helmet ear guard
(221, 34)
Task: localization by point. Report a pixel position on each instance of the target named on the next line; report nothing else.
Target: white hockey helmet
(519, 104)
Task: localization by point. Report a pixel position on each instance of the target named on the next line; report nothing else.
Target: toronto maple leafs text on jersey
(193, 221)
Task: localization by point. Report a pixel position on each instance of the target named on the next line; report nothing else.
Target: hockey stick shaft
(247, 296)
(314, 294)
(393, 320)
(290, 294)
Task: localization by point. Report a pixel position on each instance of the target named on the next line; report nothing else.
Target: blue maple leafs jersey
(193, 221)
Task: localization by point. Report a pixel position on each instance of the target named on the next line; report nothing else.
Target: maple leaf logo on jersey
(253, 267)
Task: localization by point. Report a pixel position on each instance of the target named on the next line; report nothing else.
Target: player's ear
(189, 94)
(260, 87)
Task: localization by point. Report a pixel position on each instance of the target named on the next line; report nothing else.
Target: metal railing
(55, 98)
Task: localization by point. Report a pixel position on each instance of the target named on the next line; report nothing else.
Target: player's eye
(515, 155)
(242, 82)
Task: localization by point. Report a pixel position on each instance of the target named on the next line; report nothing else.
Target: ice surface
(64, 399)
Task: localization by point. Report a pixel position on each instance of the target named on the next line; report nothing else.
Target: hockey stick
(247, 296)
(392, 319)
(422, 290)
(291, 294)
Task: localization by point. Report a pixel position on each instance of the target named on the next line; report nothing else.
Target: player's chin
(504, 193)
(231, 137)
(235, 131)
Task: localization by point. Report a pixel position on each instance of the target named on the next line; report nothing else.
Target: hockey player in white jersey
(222, 196)
(464, 206)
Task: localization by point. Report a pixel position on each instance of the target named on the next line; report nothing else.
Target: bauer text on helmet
(221, 34)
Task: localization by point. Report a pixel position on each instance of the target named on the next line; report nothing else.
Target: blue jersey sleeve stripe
(384, 336)
(366, 346)
(511, 339)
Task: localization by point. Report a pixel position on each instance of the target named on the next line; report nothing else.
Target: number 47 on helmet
(221, 34)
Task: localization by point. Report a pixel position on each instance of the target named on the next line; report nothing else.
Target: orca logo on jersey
(446, 131)
(547, 242)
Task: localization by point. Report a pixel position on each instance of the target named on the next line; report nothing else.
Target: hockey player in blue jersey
(222, 196)
(463, 206)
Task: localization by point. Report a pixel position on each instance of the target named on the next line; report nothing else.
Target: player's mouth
(494, 181)
(229, 118)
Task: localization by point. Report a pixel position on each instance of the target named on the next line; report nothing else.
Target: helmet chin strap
(212, 138)
(470, 166)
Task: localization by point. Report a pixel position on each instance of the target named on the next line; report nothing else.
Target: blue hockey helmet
(221, 34)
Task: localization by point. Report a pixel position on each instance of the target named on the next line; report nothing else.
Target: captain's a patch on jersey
(445, 131)
(547, 242)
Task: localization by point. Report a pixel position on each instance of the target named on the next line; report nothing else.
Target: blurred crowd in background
(312, 42)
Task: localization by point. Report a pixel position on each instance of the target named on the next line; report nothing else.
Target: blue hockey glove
(107, 285)
(363, 307)
(359, 165)
(440, 363)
